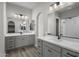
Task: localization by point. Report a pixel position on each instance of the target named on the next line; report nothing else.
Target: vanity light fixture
(60, 5)
(15, 15)
(50, 8)
(21, 16)
(54, 6)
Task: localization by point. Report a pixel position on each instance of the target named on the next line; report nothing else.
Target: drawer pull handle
(10, 47)
(38, 41)
(49, 50)
(71, 55)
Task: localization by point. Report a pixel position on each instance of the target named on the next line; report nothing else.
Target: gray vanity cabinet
(31, 39)
(22, 41)
(25, 40)
(9, 43)
(68, 53)
(40, 48)
(51, 50)
(19, 41)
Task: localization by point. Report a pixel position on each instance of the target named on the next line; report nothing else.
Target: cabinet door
(48, 52)
(69, 53)
(25, 40)
(31, 39)
(19, 41)
(9, 43)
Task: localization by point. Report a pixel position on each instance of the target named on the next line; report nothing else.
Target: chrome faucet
(59, 36)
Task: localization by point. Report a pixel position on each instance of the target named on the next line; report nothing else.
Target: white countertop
(18, 34)
(68, 43)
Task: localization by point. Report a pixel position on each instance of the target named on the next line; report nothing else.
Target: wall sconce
(21, 16)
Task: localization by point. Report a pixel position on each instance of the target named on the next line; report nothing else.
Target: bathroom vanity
(19, 31)
(50, 46)
(19, 40)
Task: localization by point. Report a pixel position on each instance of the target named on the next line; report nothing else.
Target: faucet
(59, 36)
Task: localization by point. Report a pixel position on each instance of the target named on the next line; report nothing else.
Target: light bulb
(22, 17)
(24, 22)
(55, 6)
(50, 8)
(26, 17)
(18, 16)
(15, 16)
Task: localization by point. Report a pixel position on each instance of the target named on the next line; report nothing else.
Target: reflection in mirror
(17, 26)
(51, 28)
(11, 27)
(70, 27)
(32, 25)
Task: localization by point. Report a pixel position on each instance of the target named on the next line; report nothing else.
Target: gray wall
(12, 9)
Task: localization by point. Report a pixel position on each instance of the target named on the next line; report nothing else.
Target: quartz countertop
(68, 43)
(18, 34)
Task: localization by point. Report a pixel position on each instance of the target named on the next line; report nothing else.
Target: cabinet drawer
(48, 52)
(10, 47)
(52, 46)
(9, 43)
(39, 42)
(69, 53)
(39, 53)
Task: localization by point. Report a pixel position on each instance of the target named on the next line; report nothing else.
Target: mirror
(51, 24)
(21, 16)
(17, 26)
(11, 27)
(32, 25)
(70, 27)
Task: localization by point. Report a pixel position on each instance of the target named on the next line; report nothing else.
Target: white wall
(35, 12)
(2, 40)
(70, 13)
(14, 9)
(43, 8)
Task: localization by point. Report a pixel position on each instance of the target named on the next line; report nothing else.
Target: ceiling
(69, 7)
(33, 5)
(30, 5)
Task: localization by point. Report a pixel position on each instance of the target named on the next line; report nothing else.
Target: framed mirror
(11, 27)
(70, 27)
